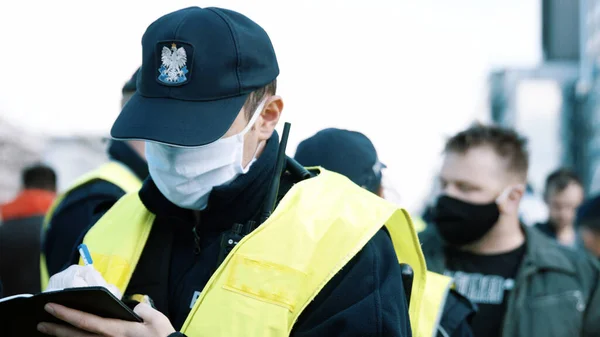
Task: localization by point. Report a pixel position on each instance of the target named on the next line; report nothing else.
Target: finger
(58, 330)
(145, 311)
(114, 290)
(153, 320)
(83, 320)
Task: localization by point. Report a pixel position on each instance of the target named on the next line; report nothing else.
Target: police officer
(325, 263)
(353, 155)
(350, 153)
(347, 152)
(86, 200)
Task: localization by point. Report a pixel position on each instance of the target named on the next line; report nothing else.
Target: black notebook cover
(20, 316)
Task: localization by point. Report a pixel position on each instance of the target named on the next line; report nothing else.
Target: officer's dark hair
(559, 180)
(507, 143)
(253, 101)
(130, 86)
(39, 177)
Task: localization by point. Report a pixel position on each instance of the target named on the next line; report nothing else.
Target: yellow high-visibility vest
(113, 172)
(437, 288)
(273, 273)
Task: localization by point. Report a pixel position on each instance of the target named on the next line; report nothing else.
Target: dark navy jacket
(457, 317)
(364, 299)
(83, 206)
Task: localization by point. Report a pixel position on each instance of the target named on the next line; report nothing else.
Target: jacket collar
(229, 204)
(544, 253)
(123, 153)
(546, 228)
(541, 253)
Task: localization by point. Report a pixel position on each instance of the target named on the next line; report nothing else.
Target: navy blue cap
(348, 153)
(199, 66)
(588, 214)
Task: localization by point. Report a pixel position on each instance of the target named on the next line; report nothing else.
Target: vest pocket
(266, 281)
(556, 315)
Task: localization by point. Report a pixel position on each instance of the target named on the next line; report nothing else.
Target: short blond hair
(506, 142)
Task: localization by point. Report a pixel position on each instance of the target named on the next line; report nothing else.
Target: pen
(85, 254)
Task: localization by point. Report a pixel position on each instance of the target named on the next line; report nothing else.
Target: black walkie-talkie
(271, 197)
(229, 240)
(407, 280)
(236, 234)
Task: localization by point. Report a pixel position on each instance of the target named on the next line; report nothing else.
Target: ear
(517, 193)
(269, 117)
(380, 192)
(509, 203)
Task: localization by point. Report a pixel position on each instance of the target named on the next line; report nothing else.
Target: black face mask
(460, 223)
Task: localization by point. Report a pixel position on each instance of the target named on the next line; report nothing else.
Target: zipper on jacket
(580, 301)
(197, 247)
(517, 296)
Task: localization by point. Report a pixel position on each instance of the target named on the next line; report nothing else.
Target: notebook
(20, 314)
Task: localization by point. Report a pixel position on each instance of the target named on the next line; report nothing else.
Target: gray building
(538, 103)
(568, 133)
(588, 95)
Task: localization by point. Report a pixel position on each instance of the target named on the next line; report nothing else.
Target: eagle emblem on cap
(173, 68)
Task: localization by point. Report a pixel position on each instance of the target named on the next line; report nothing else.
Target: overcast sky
(406, 73)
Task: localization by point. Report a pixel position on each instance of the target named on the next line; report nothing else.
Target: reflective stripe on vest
(271, 275)
(113, 172)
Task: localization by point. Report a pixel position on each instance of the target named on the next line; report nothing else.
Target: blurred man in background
(588, 223)
(84, 202)
(20, 231)
(524, 283)
(353, 155)
(532, 209)
(36, 196)
(563, 194)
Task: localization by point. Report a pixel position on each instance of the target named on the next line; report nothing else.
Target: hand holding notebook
(155, 323)
(21, 314)
(79, 294)
(81, 276)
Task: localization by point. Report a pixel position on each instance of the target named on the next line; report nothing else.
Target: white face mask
(186, 176)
